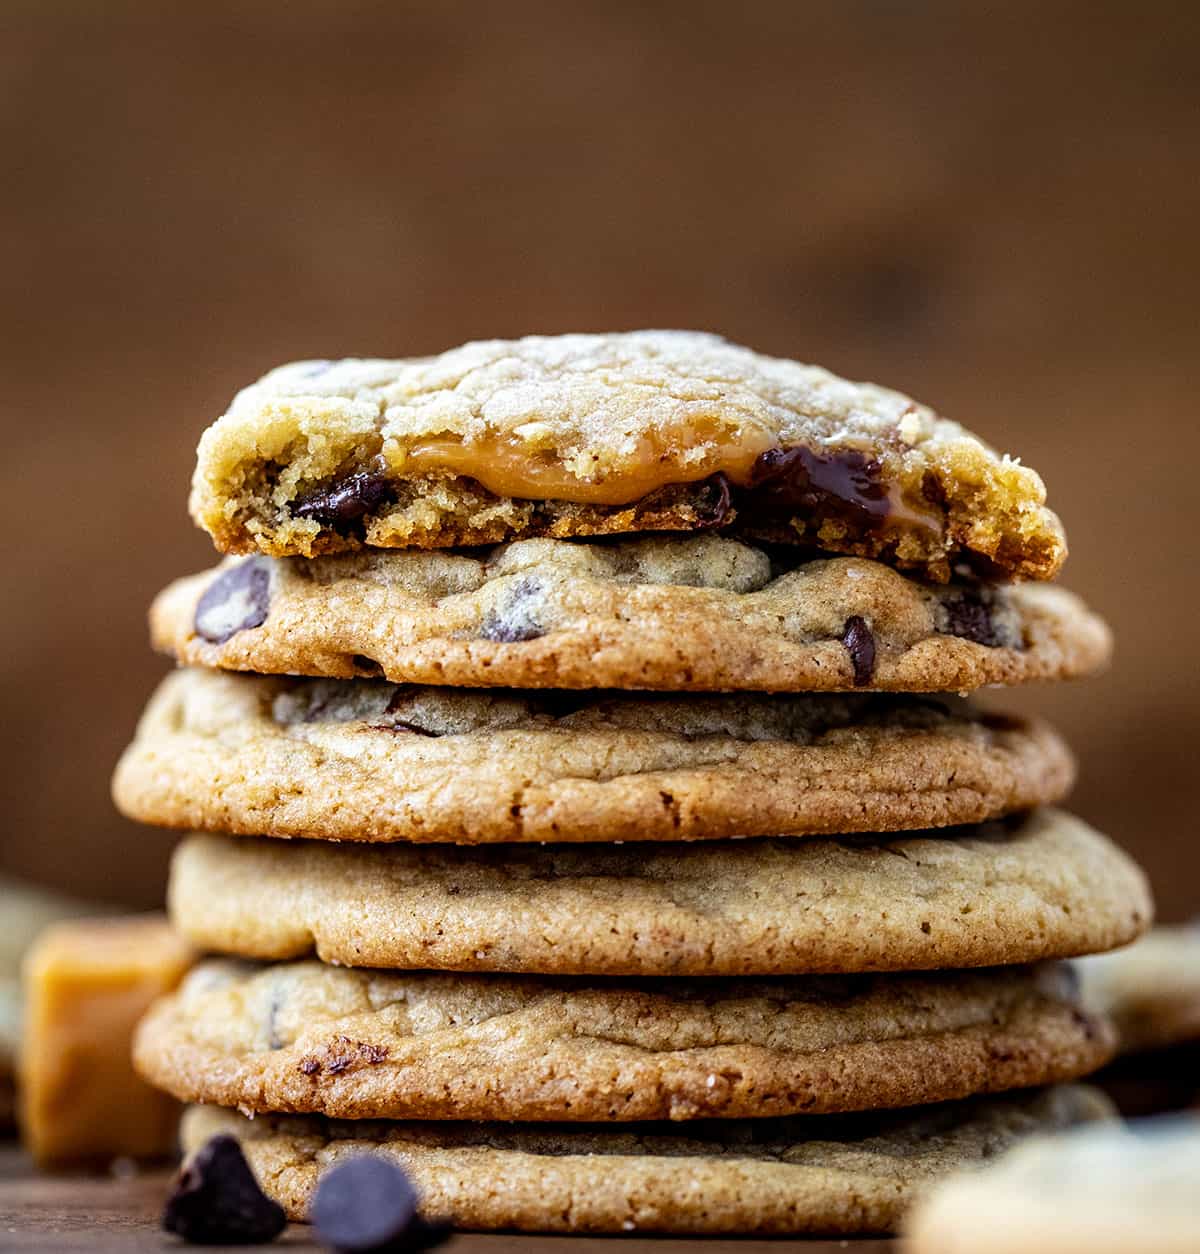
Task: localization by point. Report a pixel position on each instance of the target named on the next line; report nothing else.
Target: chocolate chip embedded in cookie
(841, 1174)
(237, 600)
(1046, 886)
(305, 1036)
(583, 435)
(364, 760)
(681, 613)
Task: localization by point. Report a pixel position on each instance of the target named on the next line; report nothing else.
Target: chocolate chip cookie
(367, 760)
(1046, 886)
(580, 435)
(837, 1174)
(685, 613)
(1151, 989)
(307, 1037)
(1108, 1188)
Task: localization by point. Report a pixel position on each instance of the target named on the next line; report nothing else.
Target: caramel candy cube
(87, 983)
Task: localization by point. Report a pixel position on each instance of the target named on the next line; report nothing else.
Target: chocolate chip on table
(969, 615)
(238, 599)
(216, 1200)
(860, 644)
(345, 501)
(367, 1205)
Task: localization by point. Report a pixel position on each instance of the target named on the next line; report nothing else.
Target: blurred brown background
(993, 207)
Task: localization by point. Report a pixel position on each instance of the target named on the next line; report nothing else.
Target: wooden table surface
(101, 1214)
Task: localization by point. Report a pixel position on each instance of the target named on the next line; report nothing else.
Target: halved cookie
(580, 435)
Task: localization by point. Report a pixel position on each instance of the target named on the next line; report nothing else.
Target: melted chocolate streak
(844, 485)
(860, 645)
(346, 501)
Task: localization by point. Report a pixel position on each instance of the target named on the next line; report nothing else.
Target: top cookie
(581, 435)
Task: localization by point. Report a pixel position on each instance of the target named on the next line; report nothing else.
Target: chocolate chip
(400, 699)
(365, 666)
(714, 502)
(933, 489)
(345, 501)
(844, 485)
(216, 1200)
(274, 1040)
(238, 599)
(502, 632)
(367, 1205)
(516, 620)
(968, 613)
(860, 644)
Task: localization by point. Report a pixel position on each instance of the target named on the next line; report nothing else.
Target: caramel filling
(843, 483)
(510, 468)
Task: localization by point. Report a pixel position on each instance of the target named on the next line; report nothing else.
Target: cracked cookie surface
(840, 1174)
(306, 1037)
(581, 435)
(684, 613)
(366, 760)
(1045, 886)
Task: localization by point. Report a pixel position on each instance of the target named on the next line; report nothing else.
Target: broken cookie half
(588, 435)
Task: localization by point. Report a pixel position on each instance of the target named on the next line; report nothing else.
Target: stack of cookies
(579, 703)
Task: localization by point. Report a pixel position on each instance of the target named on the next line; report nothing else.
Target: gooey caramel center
(834, 481)
(509, 467)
